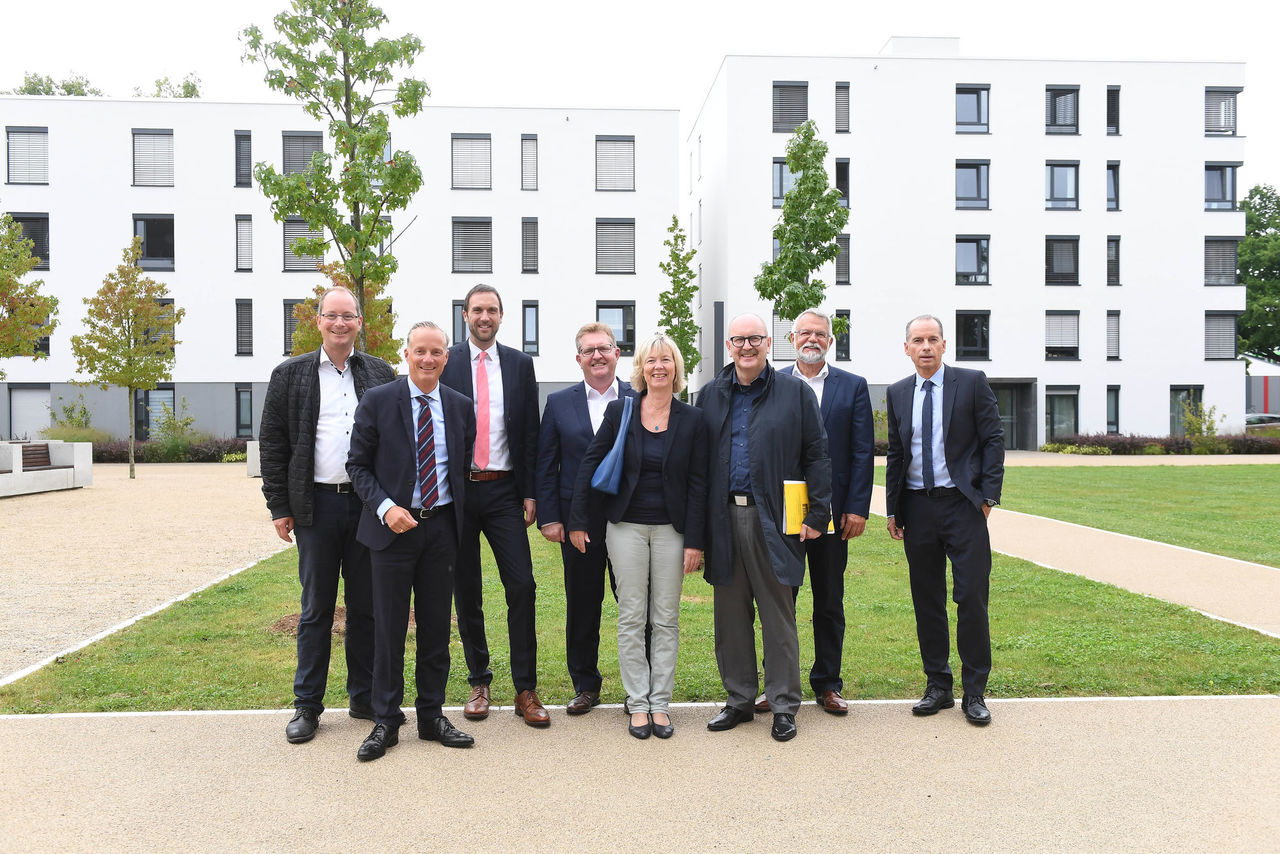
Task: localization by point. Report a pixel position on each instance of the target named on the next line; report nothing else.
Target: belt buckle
(345, 488)
(740, 500)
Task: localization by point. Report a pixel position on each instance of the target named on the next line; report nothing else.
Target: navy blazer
(684, 471)
(563, 439)
(851, 440)
(383, 461)
(519, 406)
(971, 435)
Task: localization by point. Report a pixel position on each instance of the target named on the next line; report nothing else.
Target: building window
(783, 349)
(842, 338)
(1061, 187)
(244, 158)
(842, 180)
(1113, 409)
(1220, 261)
(42, 343)
(1220, 186)
(1113, 110)
(973, 335)
(972, 251)
(615, 246)
(156, 231)
(615, 162)
(699, 222)
(783, 181)
(152, 157)
(621, 318)
(472, 244)
(28, 155)
(244, 410)
(1062, 260)
(777, 249)
(244, 243)
(1113, 260)
(1113, 336)
(1061, 335)
(164, 322)
(529, 161)
(1181, 396)
(1113, 186)
(290, 323)
(1060, 109)
(529, 316)
(299, 145)
(1219, 335)
(971, 184)
(244, 327)
(842, 260)
(472, 162)
(35, 227)
(1061, 413)
(148, 409)
(790, 106)
(1220, 112)
(971, 109)
(295, 229)
(529, 244)
(842, 108)
(459, 321)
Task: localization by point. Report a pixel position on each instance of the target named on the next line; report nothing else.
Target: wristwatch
(990, 502)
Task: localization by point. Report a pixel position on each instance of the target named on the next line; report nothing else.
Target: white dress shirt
(337, 413)
(915, 469)
(597, 401)
(443, 495)
(499, 448)
(817, 383)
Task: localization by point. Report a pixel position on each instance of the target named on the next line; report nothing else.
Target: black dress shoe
(935, 700)
(643, 730)
(303, 726)
(784, 727)
(975, 709)
(663, 730)
(441, 730)
(728, 718)
(361, 711)
(375, 746)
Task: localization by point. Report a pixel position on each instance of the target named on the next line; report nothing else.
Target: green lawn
(1054, 635)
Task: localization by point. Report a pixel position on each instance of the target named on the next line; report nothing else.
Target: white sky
(658, 53)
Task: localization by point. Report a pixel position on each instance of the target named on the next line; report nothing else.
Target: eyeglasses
(345, 318)
(753, 340)
(811, 333)
(603, 350)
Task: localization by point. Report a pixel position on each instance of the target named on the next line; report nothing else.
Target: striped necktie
(427, 454)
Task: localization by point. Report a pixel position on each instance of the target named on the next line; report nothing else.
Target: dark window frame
(1228, 200)
(1055, 122)
(1113, 111)
(1113, 260)
(1113, 355)
(844, 243)
(242, 154)
(1113, 409)
(459, 243)
(295, 168)
(244, 327)
(609, 138)
(1113, 185)
(603, 251)
(153, 132)
(453, 161)
(780, 185)
(842, 106)
(529, 238)
(1055, 198)
(529, 341)
(1226, 127)
(982, 178)
(842, 338)
(238, 267)
(39, 242)
(1062, 352)
(244, 410)
(1234, 316)
(148, 261)
(1057, 278)
(292, 263)
(627, 340)
(982, 93)
(1214, 279)
(459, 321)
(790, 105)
(11, 160)
(979, 350)
(290, 323)
(981, 275)
(842, 185)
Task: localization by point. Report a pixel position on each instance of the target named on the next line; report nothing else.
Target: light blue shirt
(442, 450)
(915, 469)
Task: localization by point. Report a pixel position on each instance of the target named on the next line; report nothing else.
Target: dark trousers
(949, 526)
(827, 557)
(420, 563)
(584, 595)
(327, 549)
(495, 509)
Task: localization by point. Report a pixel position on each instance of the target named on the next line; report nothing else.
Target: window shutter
(1060, 262)
(1219, 336)
(244, 327)
(28, 155)
(615, 163)
(529, 245)
(1220, 262)
(528, 162)
(783, 350)
(1113, 335)
(842, 260)
(35, 227)
(1113, 109)
(290, 324)
(1113, 260)
(790, 106)
(244, 243)
(296, 228)
(1062, 330)
(298, 148)
(244, 159)
(842, 108)
(471, 162)
(473, 245)
(153, 158)
(1060, 110)
(615, 246)
(1219, 112)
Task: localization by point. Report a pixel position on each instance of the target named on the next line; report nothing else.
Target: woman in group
(656, 525)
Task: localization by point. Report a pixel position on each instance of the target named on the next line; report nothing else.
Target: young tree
(325, 59)
(806, 232)
(676, 314)
(129, 333)
(379, 325)
(38, 84)
(188, 88)
(25, 315)
(1259, 261)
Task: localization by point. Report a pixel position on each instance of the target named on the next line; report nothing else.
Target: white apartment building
(564, 211)
(1050, 213)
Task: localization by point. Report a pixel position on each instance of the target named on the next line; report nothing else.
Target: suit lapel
(906, 394)
(948, 401)
(405, 408)
(581, 411)
(830, 392)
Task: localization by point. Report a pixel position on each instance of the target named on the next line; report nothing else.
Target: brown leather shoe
(477, 708)
(583, 703)
(762, 703)
(831, 701)
(529, 707)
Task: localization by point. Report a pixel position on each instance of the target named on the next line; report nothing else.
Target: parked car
(1261, 420)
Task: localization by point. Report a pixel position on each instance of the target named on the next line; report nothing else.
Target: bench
(35, 457)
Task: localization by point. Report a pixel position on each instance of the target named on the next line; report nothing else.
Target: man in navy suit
(944, 474)
(846, 415)
(569, 423)
(410, 451)
(500, 501)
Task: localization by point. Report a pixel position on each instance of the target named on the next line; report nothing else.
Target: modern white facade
(539, 203)
(947, 161)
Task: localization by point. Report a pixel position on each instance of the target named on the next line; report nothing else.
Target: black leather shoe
(728, 718)
(375, 746)
(935, 700)
(361, 711)
(303, 726)
(784, 727)
(663, 730)
(975, 709)
(643, 730)
(441, 730)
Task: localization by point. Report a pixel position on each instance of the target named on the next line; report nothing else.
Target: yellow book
(795, 500)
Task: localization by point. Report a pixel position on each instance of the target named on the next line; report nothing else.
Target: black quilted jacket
(287, 435)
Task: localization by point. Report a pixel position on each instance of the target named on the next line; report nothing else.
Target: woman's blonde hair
(643, 351)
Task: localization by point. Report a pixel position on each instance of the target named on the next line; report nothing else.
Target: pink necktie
(482, 414)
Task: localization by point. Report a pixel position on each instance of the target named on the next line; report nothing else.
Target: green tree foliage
(812, 218)
(326, 59)
(25, 315)
(44, 84)
(188, 88)
(378, 340)
(676, 304)
(129, 333)
(1259, 260)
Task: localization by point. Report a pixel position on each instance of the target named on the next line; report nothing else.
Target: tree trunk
(132, 422)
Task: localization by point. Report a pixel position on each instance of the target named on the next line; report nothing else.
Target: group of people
(389, 482)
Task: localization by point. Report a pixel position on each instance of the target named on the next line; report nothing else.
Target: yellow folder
(795, 495)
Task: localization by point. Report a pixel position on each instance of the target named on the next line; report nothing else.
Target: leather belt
(742, 499)
(936, 492)
(340, 488)
(477, 475)
(430, 513)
